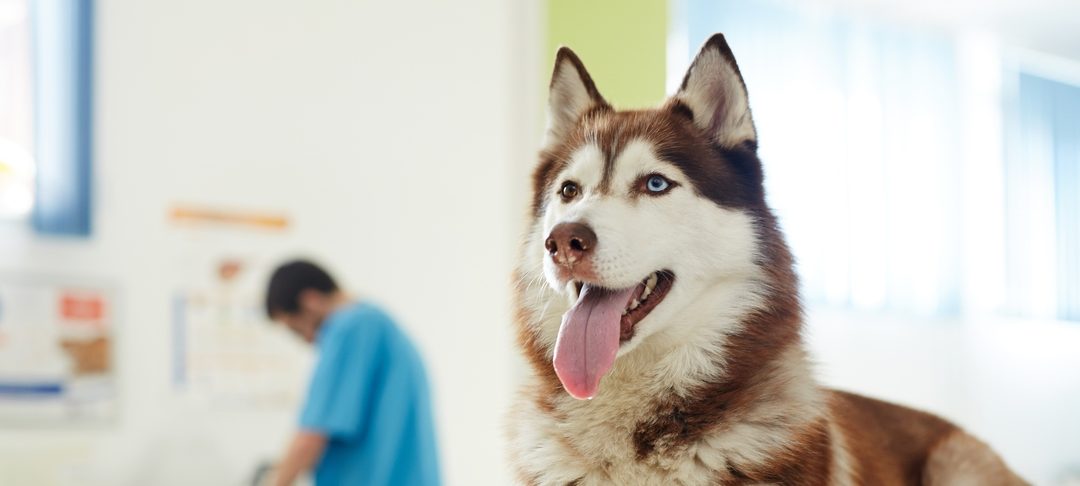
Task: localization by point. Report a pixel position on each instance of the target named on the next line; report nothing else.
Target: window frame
(62, 50)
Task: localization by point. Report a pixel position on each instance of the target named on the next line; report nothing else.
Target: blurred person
(367, 415)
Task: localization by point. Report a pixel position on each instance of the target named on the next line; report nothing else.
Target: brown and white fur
(712, 386)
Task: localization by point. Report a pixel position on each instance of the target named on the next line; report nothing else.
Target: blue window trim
(62, 40)
(1046, 135)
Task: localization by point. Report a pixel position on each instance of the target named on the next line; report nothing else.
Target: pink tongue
(589, 339)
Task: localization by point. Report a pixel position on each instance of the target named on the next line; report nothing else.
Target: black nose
(570, 242)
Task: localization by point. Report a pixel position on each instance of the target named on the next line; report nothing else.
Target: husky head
(648, 225)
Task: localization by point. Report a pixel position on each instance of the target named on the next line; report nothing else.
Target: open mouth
(649, 293)
(644, 298)
(596, 326)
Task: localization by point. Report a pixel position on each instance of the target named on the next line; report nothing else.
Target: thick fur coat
(707, 381)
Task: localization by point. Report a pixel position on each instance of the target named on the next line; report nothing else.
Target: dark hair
(290, 280)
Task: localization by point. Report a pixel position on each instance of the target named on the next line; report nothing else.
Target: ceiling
(1049, 26)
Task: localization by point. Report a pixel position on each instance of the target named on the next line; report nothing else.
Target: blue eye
(657, 183)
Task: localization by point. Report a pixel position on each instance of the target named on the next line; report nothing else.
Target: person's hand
(264, 474)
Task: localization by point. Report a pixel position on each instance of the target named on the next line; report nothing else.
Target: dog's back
(894, 445)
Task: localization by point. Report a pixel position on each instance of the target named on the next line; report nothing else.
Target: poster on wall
(226, 354)
(57, 345)
(225, 351)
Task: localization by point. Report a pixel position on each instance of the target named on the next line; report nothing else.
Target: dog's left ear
(715, 94)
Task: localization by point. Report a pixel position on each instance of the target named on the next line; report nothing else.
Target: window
(913, 171)
(1043, 208)
(859, 124)
(45, 114)
(17, 165)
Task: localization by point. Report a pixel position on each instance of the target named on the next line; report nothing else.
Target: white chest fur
(592, 442)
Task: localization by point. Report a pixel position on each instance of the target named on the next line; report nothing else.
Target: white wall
(388, 131)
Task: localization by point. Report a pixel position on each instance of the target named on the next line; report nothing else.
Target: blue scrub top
(369, 396)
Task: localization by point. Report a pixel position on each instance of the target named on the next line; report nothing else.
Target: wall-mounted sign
(56, 352)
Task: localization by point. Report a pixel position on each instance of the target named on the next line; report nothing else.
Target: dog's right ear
(572, 94)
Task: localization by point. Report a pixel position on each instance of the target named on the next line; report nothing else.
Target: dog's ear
(572, 94)
(713, 94)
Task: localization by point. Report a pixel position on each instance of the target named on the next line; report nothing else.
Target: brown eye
(569, 190)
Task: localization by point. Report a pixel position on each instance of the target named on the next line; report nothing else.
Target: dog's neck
(735, 357)
(661, 401)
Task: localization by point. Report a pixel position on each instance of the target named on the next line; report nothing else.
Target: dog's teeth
(650, 284)
(635, 304)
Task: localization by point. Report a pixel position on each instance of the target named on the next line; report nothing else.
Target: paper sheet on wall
(56, 352)
(225, 351)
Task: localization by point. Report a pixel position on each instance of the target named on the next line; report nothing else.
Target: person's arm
(338, 395)
(304, 453)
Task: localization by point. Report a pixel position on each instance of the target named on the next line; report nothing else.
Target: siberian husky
(658, 308)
